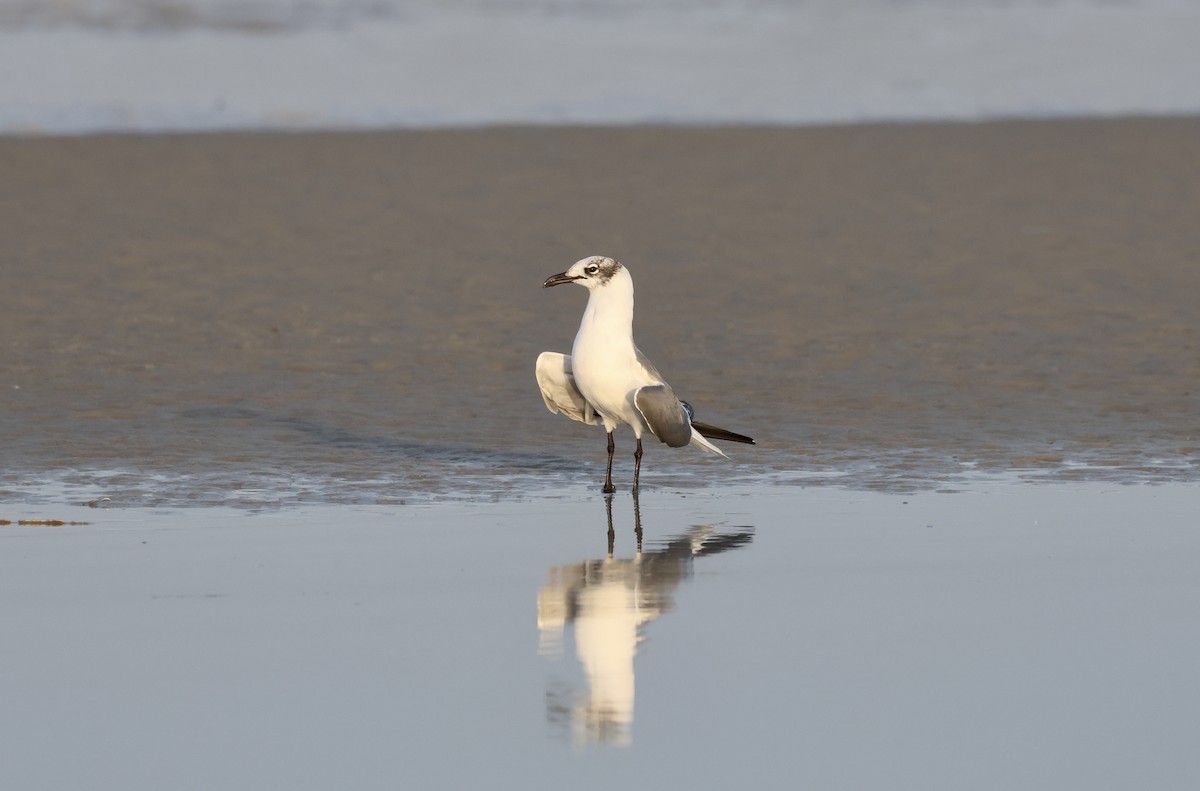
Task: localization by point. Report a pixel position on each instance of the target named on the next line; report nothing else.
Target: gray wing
(557, 383)
(664, 414)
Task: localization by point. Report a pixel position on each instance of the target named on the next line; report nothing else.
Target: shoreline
(631, 126)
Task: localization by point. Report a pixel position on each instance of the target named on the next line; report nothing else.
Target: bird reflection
(608, 602)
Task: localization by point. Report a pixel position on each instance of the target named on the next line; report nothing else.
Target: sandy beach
(354, 317)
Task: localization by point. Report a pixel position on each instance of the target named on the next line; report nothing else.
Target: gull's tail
(702, 430)
(700, 442)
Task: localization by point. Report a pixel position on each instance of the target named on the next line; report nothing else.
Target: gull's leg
(637, 464)
(608, 487)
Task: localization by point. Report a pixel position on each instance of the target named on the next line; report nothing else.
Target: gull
(607, 380)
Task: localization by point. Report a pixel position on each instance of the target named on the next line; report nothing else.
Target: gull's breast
(607, 376)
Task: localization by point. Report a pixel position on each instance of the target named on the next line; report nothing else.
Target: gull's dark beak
(558, 280)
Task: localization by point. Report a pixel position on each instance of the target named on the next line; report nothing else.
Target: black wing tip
(712, 432)
(731, 437)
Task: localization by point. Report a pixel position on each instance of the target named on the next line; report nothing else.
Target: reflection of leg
(637, 464)
(637, 521)
(612, 534)
(608, 487)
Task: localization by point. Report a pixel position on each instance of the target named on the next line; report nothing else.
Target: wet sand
(270, 318)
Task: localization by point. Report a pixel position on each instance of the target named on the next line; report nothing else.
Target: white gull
(606, 379)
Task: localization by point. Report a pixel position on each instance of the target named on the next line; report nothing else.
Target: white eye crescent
(591, 270)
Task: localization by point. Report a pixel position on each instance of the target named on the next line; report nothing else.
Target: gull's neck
(610, 308)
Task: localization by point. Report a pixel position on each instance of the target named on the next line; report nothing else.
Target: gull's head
(595, 271)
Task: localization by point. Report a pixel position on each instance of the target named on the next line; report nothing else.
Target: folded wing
(557, 383)
(664, 414)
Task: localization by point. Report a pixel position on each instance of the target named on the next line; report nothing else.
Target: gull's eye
(591, 270)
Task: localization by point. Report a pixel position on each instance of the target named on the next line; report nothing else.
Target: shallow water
(1009, 635)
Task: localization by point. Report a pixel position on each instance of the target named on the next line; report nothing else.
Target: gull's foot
(608, 488)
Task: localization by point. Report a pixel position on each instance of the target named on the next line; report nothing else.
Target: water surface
(1009, 635)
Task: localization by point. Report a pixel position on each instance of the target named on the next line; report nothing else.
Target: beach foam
(86, 67)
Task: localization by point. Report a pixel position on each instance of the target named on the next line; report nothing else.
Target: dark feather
(712, 432)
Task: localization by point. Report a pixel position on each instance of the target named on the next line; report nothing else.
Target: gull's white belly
(607, 377)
